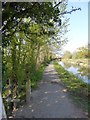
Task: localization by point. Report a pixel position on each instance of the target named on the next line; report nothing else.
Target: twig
(57, 4)
(69, 12)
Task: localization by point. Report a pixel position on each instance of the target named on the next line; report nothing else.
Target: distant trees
(67, 55)
(81, 52)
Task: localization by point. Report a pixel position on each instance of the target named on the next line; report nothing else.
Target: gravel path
(50, 100)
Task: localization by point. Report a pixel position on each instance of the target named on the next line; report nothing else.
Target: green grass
(77, 88)
(37, 76)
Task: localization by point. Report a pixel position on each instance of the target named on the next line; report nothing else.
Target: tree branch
(57, 4)
(69, 12)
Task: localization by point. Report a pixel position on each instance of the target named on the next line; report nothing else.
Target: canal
(79, 71)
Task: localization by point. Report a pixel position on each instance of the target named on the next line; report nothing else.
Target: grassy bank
(37, 76)
(77, 88)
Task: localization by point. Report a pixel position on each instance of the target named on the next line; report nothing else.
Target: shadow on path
(50, 100)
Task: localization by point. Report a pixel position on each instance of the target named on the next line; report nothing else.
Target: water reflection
(79, 71)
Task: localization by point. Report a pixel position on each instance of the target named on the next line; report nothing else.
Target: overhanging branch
(57, 4)
(69, 12)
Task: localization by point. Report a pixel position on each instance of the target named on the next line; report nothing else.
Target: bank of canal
(76, 87)
(81, 72)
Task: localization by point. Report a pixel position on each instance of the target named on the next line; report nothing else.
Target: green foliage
(27, 31)
(21, 76)
(67, 55)
(81, 52)
(37, 76)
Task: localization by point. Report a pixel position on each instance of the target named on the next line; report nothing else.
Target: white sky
(78, 0)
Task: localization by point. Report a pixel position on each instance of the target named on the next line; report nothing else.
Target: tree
(28, 30)
(82, 52)
(67, 55)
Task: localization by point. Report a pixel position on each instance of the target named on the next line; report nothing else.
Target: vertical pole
(89, 54)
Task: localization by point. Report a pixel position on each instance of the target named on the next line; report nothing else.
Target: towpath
(50, 100)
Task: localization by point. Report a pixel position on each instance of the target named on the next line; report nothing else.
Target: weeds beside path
(50, 100)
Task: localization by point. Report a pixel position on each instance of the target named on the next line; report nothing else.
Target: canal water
(79, 71)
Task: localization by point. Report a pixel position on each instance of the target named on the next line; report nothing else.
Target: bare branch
(69, 12)
(57, 4)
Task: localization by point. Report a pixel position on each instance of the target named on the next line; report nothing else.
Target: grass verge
(77, 88)
(38, 75)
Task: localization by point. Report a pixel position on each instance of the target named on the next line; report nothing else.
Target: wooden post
(28, 91)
